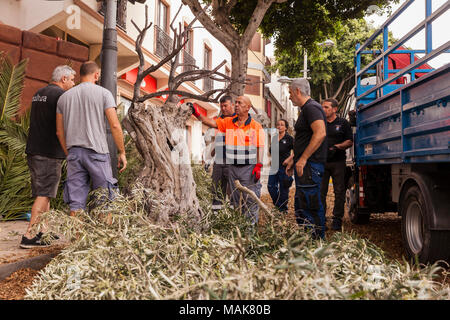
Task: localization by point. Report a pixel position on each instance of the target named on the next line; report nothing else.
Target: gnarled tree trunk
(158, 134)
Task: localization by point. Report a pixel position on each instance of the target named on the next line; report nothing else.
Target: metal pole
(109, 70)
(305, 65)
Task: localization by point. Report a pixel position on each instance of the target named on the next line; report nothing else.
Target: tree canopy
(331, 69)
(289, 22)
(302, 21)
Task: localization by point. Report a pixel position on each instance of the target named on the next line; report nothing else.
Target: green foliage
(15, 187)
(15, 183)
(135, 258)
(304, 22)
(134, 165)
(331, 67)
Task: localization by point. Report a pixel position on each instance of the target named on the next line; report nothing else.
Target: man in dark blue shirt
(44, 152)
(340, 138)
(309, 157)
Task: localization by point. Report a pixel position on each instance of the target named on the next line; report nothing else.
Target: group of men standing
(321, 138)
(69, 122)
(79, 115)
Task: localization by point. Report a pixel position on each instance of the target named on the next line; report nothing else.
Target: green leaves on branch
(15, 189)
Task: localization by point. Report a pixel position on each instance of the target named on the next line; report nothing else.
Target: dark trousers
(309, 210)
(335, 170)
(243, 173)
(278, 186)
(220, 185)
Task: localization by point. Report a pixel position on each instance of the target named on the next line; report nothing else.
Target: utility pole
(108, 78)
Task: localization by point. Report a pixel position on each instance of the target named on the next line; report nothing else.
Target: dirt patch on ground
(13, 287)
(384, 230)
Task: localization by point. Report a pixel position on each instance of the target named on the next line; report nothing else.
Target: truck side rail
(403, 123)
(365, 94)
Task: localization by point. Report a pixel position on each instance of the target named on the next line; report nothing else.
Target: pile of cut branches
(134, 258)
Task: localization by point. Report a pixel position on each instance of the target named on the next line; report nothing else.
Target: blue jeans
(278, 186)
(309, 210)
(85, 167)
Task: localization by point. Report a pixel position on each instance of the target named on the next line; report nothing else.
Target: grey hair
(302, 84)
(62, 71)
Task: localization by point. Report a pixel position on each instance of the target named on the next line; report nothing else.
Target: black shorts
(45, 175)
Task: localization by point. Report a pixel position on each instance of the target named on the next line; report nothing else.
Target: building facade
(81, 22)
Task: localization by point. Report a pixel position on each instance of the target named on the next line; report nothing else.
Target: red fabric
(256, 173)
(150, 82)
(402, 60)
(200, 109)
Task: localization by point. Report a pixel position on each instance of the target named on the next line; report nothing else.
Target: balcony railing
(188, 61)
(164, 43)
(208, 84)
(121, 19)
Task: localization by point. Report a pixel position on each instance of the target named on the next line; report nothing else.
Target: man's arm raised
(205, 120)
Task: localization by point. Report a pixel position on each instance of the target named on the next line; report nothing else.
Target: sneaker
(35, 242)
(336, 225)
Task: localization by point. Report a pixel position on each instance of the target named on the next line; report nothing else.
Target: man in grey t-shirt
(81, 130)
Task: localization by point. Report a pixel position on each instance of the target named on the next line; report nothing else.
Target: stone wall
(44, 54)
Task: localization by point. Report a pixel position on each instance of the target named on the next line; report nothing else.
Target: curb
(35, 263)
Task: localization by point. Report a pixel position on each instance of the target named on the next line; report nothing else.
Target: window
(207, 58)
(189, 47)
(207, 62)
(188, 59)
(255, 44)
(59, 34)
(163, 16)
(254, 85)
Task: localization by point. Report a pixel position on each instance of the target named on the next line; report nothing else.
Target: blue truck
(401, 155)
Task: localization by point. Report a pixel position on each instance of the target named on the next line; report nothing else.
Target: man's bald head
(243, 105)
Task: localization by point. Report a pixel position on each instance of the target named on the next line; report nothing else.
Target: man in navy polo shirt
(340, 138)
(309, 158)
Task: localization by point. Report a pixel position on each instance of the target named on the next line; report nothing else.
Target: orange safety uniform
(241, 142)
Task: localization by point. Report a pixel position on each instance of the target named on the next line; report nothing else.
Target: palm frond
(15, 188)
(11, 85)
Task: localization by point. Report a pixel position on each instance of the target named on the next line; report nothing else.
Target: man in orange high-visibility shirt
(244, 151)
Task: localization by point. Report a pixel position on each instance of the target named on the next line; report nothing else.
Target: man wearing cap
(244, 149)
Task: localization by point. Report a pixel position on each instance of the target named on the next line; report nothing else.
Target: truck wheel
(356, 216)
(418, 239)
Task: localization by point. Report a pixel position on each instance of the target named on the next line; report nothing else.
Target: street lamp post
(108, 78)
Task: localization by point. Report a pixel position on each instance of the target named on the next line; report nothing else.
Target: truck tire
(419, 241)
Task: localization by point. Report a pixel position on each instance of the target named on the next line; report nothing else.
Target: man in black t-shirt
(308, 158)
(340, 138)
(44, 152)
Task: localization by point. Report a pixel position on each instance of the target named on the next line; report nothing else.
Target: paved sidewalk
(10, 235)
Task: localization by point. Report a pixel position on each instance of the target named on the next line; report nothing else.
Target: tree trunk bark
(239, 62)
(158, 132)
